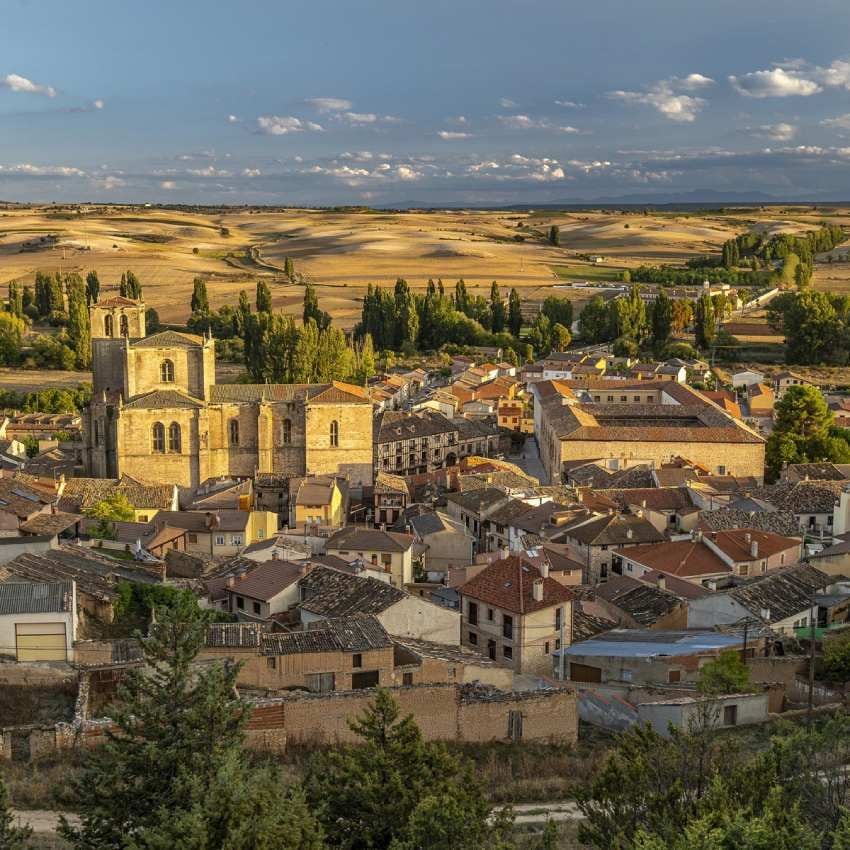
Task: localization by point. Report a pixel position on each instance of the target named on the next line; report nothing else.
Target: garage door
(41, 641)
(584, 673)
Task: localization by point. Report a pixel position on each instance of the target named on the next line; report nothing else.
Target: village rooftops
(19, 499)
(613, 530)
(49, 524)
(32, 598)
(332, 593)
(802, 497)
(354, 539)
(782, 594)
(644, 603)
(266, 580)
(646, 643)
(205, 522)
(476, 501)
(509, 584)
(341, 634)
(82, 493)
(233, 635)
(387, 483)
(684, 558)
(739, 544)
(819, 471)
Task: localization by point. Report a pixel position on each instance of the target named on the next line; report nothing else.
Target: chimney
(275, 555)
(544, 569)
(748, 537)
(537, 590)
(765, 614)
(630, 533)
(243, 574)
(662, 582)
(754, 549)
(505, 552)
(231, 580)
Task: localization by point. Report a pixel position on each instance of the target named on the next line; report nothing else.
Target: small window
(546, 648)
(174, 438)
(166, 372)
(98, 431)
(674, 676)
(219, 540)
(108, 328)
(234, 432)
(473, 638)
(334, 433)
(193, 538)
(357, 660)
(472, 613)
(407, 679)
(240, 602)
(257, 608)
(158, 437)
(271, 661)
(507, 652)
(490, 614)
(142, 518)
(287, 431)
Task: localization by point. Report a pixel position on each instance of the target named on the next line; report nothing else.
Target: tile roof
(266, 580)
(819, 471)
(613, 530)
(333, 593)
(119, 301)
(357, 539)
(49, 524)
(169, 339)
(334, 392)
(688, 558)
(17, 498)
(226, 519)
(233, 635)
(475, 501)
(736, 542)
(341, 634)
(586, 626)
(644, 603)
(508, 584)
(387, 483)
(434, 522)
(783, 593)
(163, 400)
(82, 493)
(655, 498)
(443, 651)
(802, 497)
(393, 425)
(36, 598)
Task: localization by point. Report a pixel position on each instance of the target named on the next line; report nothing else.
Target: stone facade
(157, 413)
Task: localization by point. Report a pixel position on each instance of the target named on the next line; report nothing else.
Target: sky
(404, 102)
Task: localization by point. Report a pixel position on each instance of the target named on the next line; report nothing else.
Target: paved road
(41, 820)
(531, 462)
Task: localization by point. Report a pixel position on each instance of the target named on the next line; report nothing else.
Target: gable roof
(736, 543)
(82, 493)
(163, 400)
(613, 530)
(784, 593)
(644, 603)
(342, 634)
(508, 584)
(334, 392)
(689, 558)
(168, 339)
(267, 579)
(36, 598)
(353, 538)
(333, 593)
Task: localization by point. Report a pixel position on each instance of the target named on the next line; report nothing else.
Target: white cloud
(98, 104)
(232, 119)
(360, 117)
(662, 96)
(209, 171)
(458, 119)
(547, 172)
(523, 122)
(568, 129)
(781, 132)
(167, 184)
(449, 135)
(507, 103)
(836, 75)
(569, 104)
(281, 125)
(251, 172)
(27, 168)
(405, 172)
(692, 82)
(841, 122)
(329, 104)
(17, 83)
(774, 83)
(109, 182)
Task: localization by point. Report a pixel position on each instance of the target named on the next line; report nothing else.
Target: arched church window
(158, 437)
(107, 326)
(287, 431)
(166, 372)
(334, 433)
(234, 432)
(174, 437)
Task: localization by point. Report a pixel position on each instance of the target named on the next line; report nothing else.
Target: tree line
(816, 326)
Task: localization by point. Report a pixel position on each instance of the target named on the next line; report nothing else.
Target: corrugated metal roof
(639, 643)
(31, 598)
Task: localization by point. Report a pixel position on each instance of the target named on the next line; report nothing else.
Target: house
(784, 600)
(223, 532)
(785, 379)
(512, 416)
(19, 504)
(593, 539)
(449, 543)
(725, 400)
(684, 712)
(38, 621)
(760, 402)
(634, 604)
(262, 590)
(327, 593)
(390, 497)
(689, 559)
(746, 378)
(634, 657)
(391, 550)
(320, 500)
(823, 471)
(815, 504)
(217, 494)
(472, 508)
(516, 613)
(518, 525)
(147, 499)
(667, 508)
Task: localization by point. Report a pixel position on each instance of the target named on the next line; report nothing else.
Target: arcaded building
(158, 414)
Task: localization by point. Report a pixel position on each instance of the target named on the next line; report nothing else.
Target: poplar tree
(311, 308)
(264, 297)
(130, 286)
(200, 300)
(79, 326)
(92, 287)
(289, 268)
(704, 323)
(461, 297)
(497, 309)
(406, 317)
(662, 319)
(555, 235)
(16, 299)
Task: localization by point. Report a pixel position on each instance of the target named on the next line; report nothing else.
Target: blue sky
(448, 101)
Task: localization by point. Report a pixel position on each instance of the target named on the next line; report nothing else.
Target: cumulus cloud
(281, 125)
(28, 169)
(251, 172)
(209, 171)
(168, 185)
(665, 97)
(17, 83)
(329, 104)
(109, 182)
(507, 103)
(776, 82)
(449, 135)
(524, 122)
(781, 132)
(232, 119)
(568, 129)
(569, 104)
(360, 117)
(840, 122)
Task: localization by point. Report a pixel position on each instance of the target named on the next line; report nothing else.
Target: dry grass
(343, 251)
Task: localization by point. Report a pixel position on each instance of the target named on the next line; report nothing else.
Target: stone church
(158, 414)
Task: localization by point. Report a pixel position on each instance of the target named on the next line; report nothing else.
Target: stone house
(449, 543)
(224, 532)
(724, 711)
(633, 604)
(263, 590)
(472, 508)
(391, 550)
(157, 411)
(784, 380)
(515, 613)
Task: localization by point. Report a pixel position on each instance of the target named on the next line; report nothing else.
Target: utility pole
(813, 616)
(563, 649)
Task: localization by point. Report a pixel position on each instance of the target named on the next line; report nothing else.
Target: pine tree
(200, 300)
(92, 287)
(514, 313)
(498, 316)
(173, 774)
(264, 297)
(11, 837)
(79, 327)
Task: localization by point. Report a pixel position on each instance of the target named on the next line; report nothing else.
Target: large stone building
(158, 414)
(622, 424)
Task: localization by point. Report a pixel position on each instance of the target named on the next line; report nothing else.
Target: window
(234, 432)
(357, 660)
(637, 398)
(261, 534)
(334, 433)
(166, 372)
(490, 614)
(193, 538)
(124, 324)
(515, 726)
(473, 638)
(219, 540)
(236, 539)
(320, 683)
(257, 608)
(271, 661)
(546, 648)
(508, 652)
(107, 326)
(174, 438)
(721, 470)
(730, 715)
(240, 602)
(142, 518)
(287, 431)
(558, 616)
(507, 626)
(491, 650)
(98, 432)
(472, 613)
(674, 676)
(407, 679)
(158, 437)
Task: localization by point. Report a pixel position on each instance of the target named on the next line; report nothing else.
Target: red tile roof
(685, 558)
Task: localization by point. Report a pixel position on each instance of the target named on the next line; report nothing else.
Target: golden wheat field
(343, 251)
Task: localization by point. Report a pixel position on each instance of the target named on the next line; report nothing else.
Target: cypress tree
(514, 313)
(461, 297)
(704, 323)
(555, 235)
(662, 319)
(16, 299)
(200, 300)
(92, 287)
(56, 293)
(79, 327)
(264, 297)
